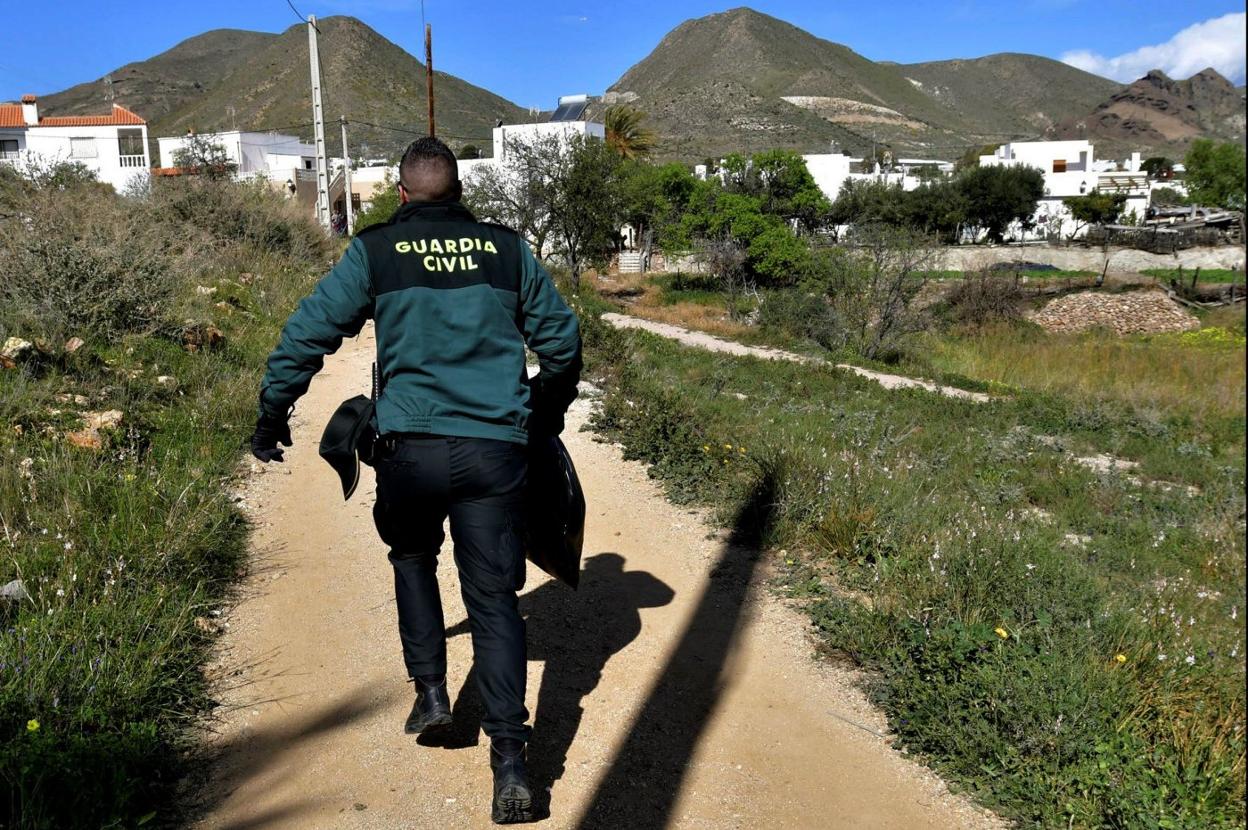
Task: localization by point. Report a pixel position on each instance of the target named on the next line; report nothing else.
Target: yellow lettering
(435, 247)
(419, 246)
(469, 263)
(465, 244)
(402, 247)
(450, 246)
(448, 263)
(489, 247)
(430, 262)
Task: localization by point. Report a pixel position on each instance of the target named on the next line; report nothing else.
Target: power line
(302, 19)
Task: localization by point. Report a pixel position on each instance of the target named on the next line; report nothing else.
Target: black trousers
(479, 483)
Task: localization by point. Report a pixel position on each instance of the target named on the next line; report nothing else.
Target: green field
(1062, 641)
(1218, 275)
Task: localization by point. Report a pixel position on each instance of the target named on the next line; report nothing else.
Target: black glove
(269, 431)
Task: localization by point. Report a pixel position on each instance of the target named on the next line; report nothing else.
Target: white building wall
(97, 148)
(266, 153)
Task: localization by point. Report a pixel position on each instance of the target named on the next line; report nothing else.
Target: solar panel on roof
(571, 108)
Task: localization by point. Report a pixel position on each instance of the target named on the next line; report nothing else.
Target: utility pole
(429, 72)
(346, 177)
(318, 119)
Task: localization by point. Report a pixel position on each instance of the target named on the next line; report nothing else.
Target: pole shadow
(574, 634)
(640, 788)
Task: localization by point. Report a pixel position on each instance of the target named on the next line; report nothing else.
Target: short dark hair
(428, 167)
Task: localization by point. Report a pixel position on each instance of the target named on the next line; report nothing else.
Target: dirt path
(710, 342)
(671, 691)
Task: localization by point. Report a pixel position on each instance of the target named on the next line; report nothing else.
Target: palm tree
(625, 134)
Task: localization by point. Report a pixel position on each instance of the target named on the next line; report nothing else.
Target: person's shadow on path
(574, 634)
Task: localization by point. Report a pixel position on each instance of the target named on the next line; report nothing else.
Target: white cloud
(1217, 42)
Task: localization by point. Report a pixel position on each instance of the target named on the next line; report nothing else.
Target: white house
(273, 155)
(1070, 169)
(113, 146)
(567, 121)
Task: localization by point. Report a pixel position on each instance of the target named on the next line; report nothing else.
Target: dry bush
(76, 265)
(984, 298)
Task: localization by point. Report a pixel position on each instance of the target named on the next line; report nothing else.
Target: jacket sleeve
(338, 307)
(552, 331)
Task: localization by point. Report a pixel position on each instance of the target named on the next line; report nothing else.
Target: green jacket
(455, 302)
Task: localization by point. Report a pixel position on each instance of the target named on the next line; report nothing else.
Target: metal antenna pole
(318, 118)
(346, 177)
(429, 72)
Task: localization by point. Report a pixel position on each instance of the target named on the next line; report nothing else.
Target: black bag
(554, 511)
(349, 438)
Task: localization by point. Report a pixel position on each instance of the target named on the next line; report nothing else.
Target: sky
(532, 52)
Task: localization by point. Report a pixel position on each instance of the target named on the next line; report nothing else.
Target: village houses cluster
(116, 147)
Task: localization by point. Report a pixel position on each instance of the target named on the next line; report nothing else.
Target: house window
(1059, 165)
(8, 148)
(130, 142)
(82, 148)
(307, 164)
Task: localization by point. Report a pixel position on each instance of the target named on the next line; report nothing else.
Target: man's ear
(403, 199)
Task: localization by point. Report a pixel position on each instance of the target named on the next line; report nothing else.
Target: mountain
(253, 80)
(1162, 114)
(1009, 93)
(161, 85)
(743, 81)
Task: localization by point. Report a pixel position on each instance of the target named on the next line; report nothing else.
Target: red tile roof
(11, 116)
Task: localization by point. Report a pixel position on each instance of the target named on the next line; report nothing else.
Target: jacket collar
(433, 211)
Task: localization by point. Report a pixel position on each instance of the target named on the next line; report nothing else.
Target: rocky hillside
(1009, 93)
(255, 80)
(1162, 114)
(743, 81)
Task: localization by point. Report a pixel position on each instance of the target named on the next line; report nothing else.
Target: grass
(1063, 643)
(125, 550)
(1196, 374)
(1218, 275)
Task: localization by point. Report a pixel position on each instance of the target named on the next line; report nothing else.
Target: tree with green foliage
(383, 205)
(788, 190)
(1215, 174)
(626, 134)
(1158, 167)
(1166, 197)
(585, 204)
(202, 155)
(469, 151)
(652, 199)
(998, 197)
(937, 208)
(970, 158)
(1095, 208)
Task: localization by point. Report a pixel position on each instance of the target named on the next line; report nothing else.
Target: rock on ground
(1135, 312)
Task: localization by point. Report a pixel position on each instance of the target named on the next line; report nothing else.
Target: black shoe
(432, 709)
(513, 800)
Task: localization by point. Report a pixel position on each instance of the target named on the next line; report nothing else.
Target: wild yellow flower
(741, 450)
(727, 446)
(1002, 633)
(32, 725)
(1121, 658)
(706, 448)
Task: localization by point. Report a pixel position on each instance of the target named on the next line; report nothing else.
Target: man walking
(455, 303)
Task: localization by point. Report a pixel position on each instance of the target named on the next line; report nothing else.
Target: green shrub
(121, 548)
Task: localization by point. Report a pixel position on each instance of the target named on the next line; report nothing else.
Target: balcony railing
(10, 155)
(133, 161)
